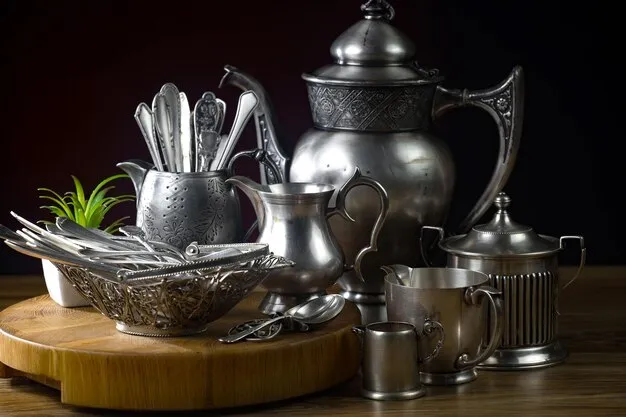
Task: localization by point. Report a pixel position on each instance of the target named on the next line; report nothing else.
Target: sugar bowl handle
(583, 256)
(474, 296)
(340, 209)
(504, 102)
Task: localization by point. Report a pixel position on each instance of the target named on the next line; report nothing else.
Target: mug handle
(429, 327)
(474, 296)
(262, 157)
(340, 209)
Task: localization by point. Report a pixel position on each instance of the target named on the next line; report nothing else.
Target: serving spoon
(314, 311)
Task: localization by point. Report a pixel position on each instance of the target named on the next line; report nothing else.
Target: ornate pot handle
(505, 103)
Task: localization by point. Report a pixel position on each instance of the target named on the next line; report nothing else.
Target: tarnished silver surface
(172, 306)
(524, 266)
(292, 219)
(180, 208)
(373, 108)
(453, 297)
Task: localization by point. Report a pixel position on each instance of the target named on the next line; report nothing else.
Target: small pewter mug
(454, 298)
(391, 361)
(524, 266)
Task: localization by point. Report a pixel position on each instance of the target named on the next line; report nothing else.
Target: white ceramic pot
(59, 288)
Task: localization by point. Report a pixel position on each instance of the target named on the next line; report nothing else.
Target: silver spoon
(314, 311)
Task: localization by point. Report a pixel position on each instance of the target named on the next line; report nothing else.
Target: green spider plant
(87, 212)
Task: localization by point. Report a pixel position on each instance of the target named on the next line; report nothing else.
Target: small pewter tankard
(524, 266)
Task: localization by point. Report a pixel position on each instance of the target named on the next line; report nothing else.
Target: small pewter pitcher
(292, 219)
(524, 266)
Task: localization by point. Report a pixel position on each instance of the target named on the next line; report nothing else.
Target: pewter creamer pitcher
(292, 219)
(373, 107)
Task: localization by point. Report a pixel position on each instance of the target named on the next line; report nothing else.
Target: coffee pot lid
(501, 237)
(373, 51)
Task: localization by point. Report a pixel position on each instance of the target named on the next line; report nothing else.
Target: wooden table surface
(591, 383)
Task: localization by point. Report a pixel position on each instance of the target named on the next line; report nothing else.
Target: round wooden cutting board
(79, 351)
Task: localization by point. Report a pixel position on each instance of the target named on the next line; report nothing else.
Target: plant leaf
(103, 183)
(56, 210)
(80, 193)
(95, 201)
(60, 202)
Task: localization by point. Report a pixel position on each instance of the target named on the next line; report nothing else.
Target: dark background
(74, 71)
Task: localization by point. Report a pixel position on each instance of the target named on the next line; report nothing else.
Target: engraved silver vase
(180, 208)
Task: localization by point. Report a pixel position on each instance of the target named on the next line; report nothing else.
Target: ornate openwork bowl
(171, 305)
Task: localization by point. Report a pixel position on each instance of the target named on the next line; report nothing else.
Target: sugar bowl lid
(372, 51)
(501, 237)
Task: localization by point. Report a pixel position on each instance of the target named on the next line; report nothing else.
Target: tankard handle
(504, 103)
(261, 156)
(340, 209)
(431, 326)
(474, 296)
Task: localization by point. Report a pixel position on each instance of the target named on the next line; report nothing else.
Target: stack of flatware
(183, 140)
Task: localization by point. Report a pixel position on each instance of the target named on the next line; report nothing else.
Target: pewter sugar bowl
(524, 266)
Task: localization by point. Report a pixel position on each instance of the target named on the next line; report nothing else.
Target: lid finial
(502, 201)
(378, 9)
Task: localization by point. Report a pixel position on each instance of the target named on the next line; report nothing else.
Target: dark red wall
(74, 71)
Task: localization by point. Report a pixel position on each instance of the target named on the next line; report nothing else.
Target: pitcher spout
(136, 170)
(402, 273)
(253, 191)
(267, 138)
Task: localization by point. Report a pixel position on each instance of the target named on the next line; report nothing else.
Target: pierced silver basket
(171, 305)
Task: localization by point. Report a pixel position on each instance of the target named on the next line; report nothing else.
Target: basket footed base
(518, 359)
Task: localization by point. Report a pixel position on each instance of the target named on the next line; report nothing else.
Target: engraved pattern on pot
(370, 108)
(530, 308)
(501, 104)
(177, 224)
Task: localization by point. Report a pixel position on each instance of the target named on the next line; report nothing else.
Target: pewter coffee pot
(524, 266)
(373, 107)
